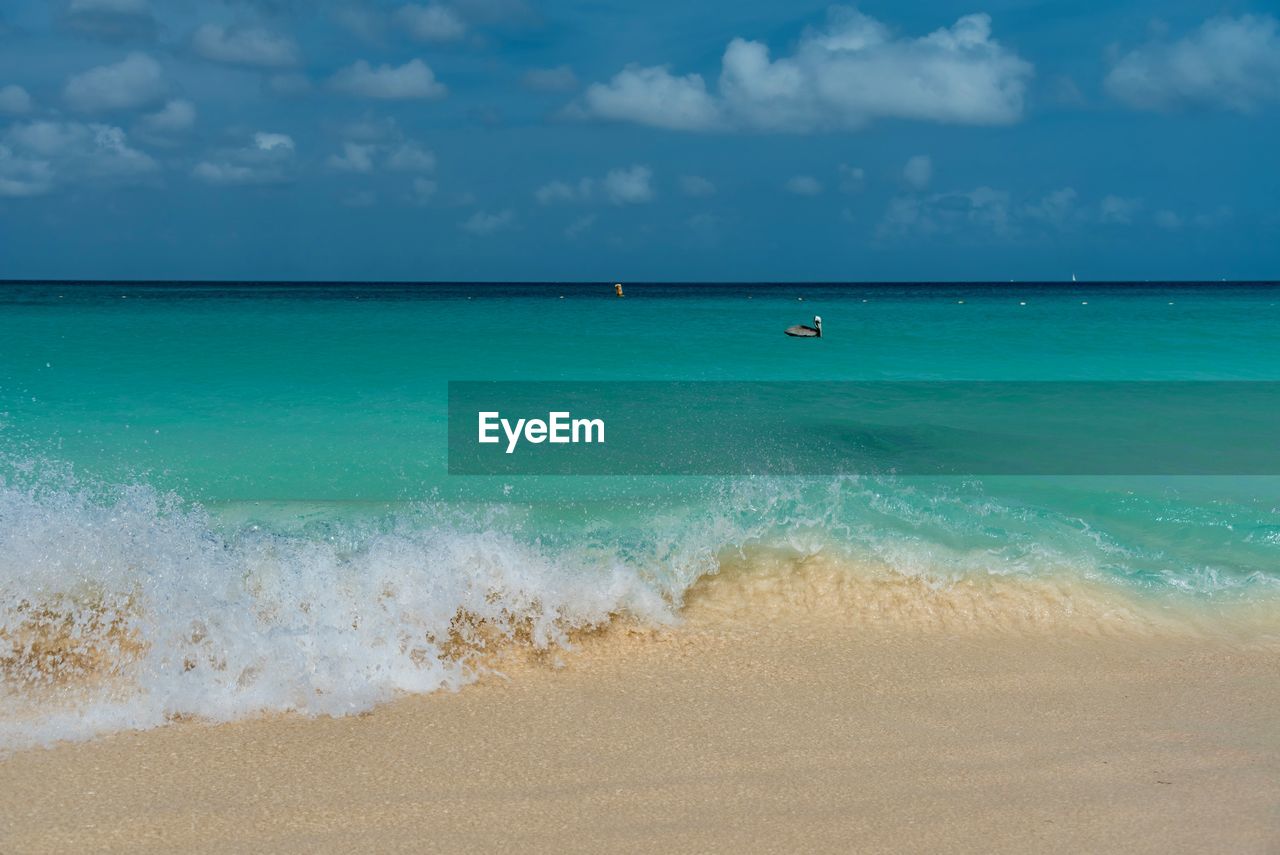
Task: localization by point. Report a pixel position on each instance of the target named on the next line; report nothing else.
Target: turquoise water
(335, 393)
(252, 477)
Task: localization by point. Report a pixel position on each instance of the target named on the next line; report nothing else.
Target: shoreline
(757, 735)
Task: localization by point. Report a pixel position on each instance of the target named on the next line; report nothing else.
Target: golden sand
(779, 731)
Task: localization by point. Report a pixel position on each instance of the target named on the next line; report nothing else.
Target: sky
(508, 140)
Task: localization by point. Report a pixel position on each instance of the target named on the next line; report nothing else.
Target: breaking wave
(122, 607)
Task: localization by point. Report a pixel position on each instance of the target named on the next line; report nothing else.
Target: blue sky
(512, 139)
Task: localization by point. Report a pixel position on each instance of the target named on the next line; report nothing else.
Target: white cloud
(250, 46)
(696, 186)
(803, 185)
(431, 23)
(273, 142)
(562, 191)
(1118, 209)
(23, 175)
(135, 81)
(405, 156)
(361, 21)
(14, 100)
(370, 144)
(989, 211)
(37, 156)
(852, 178)
(652, 96)
(575, 229)
(266, 159)
(355, 157)
(1056, 208)
(225, 172)
(983, 208)
(558, 79)
(918, 171)
(629, 186)
(46, 138)
(411, 157)
(844, 75)
(905, 214)
(101, 149)
(484, 223)
(370, 129)
(1232, 63)
(622, 186)
(412, 80)
(423, 189)
(176, 117)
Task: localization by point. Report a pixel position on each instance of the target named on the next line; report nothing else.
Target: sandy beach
(720, 735)
(504, 426)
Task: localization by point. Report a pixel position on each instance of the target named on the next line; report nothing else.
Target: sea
(225, 499)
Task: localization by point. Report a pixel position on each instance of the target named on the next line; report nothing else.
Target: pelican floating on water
(802, 331)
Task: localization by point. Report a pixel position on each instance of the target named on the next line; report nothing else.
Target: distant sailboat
(1073, 277)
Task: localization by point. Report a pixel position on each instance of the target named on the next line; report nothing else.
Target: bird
(802, 331)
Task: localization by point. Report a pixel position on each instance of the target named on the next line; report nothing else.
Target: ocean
(220, 499)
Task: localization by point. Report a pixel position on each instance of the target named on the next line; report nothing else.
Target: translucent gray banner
(905, 428)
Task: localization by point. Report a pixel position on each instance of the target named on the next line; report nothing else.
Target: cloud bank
(988, 211)
(845, 75)
(35, 157)
(1229, 63)
(918, 171)
(483, 223)
(177, 116)
(14, 99)
(696, 186)
(803, 185)
(431, 23)
(413, 80)
(251, 46)
(367, 156)
(267, 158)
(623, 186)
(135, 81)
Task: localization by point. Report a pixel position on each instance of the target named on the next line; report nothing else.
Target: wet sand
(777, 737)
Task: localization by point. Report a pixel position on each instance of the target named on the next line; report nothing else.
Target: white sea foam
(177, 618)
(122, 607)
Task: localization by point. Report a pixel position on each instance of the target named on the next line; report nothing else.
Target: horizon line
(571, 282)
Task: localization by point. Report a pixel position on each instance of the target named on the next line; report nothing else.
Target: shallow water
(219, 499)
